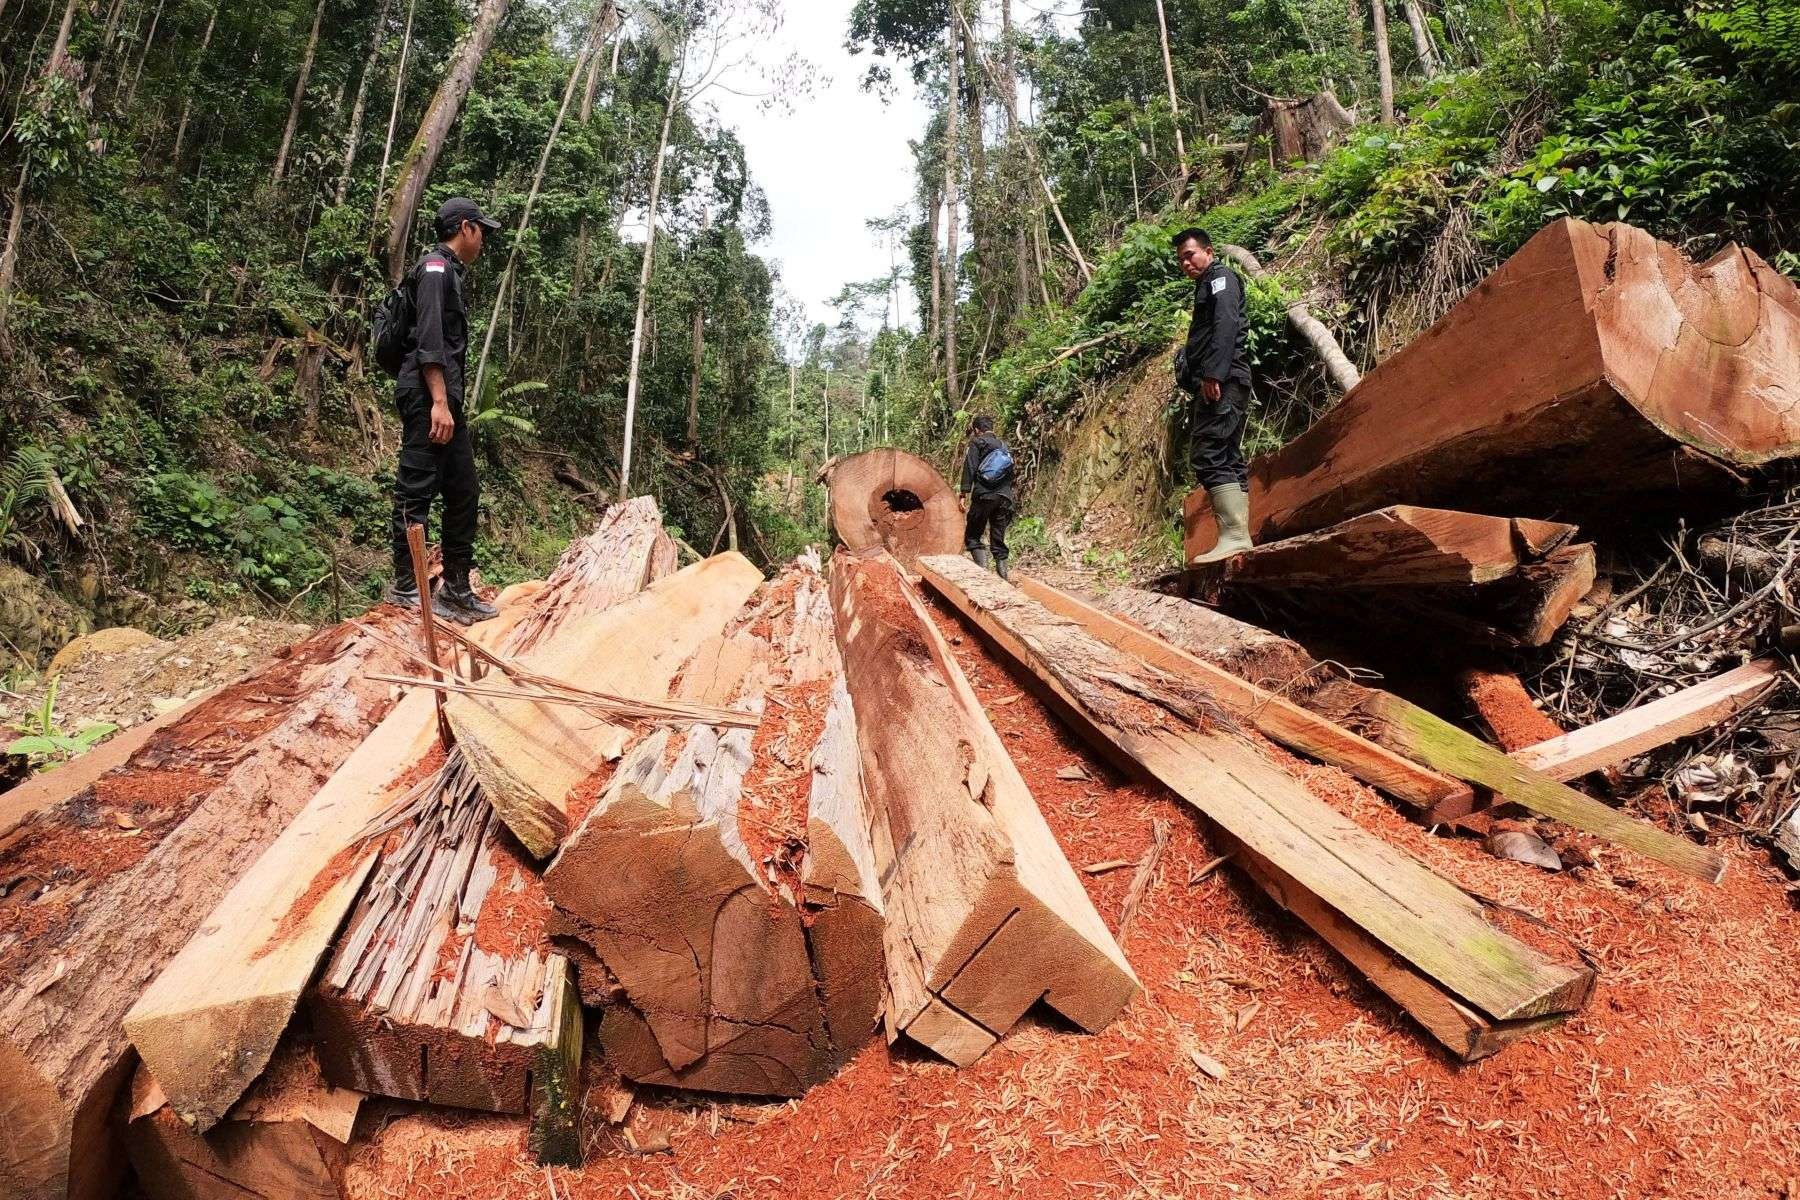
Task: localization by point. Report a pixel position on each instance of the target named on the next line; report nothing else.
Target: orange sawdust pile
(515, 913)
(772, 806)
(1677, 1081)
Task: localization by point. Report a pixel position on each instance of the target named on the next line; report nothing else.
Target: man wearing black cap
(436, 455)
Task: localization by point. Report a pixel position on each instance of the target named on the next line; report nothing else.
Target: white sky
(839, 158)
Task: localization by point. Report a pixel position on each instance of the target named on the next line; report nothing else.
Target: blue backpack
(996, 466)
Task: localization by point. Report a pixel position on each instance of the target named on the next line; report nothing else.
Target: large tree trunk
(1595, 377)
(934, 334)
(893, 500)
(953, 218)
(359, 107)
(299, 102)
(578, 275)
(1421, 36)
(1384, 59)
(1021, 214)
(1162, 29)
(1308, 128)
(164, 836)
(428, 142)
(387, 145)
(645, 272)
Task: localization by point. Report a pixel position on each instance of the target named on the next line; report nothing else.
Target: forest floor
(1255, 1063)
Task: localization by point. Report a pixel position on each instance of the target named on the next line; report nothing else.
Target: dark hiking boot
(981, 557)
(455, 600)
(402, 593)
(1000, 568)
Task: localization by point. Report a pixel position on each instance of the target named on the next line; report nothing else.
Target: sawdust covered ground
(1681, 1078)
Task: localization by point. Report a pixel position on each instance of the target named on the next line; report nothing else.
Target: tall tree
(1021, 250)
(953, 219)
(15, 224)
(434, 128)
(359, 107)
(299, 102)
(187, 99)
(387, 146)
(1162, 29)
(1384, 59)
(1421, 36)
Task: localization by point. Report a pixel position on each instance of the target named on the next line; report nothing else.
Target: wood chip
(1208, 1064)
(1208, 869)
(1003, 701)
(1111, 864)
(1245, 1015)
(505, 1008)
(1074, 771)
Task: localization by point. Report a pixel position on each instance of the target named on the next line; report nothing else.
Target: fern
(26, 477)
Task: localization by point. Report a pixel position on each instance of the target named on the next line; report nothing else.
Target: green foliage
(26, 478)
(262, 541)
(43, 744)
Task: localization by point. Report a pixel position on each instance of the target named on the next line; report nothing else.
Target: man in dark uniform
(436, 454)
(988, 496)
(1213, 369)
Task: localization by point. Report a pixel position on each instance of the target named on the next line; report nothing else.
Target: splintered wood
(985, 917)
(199, 799)
(1401, 544)
(1420, 938)
(207, 1025)
(440, 989)
(530, 755)
(724, 880)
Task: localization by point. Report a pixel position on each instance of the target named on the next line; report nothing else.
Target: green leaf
(31, 745)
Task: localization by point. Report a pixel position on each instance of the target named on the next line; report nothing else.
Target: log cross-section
(985, 917)
(892, 500)
(1173, 731)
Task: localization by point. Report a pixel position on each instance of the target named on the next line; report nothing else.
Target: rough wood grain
(1409, 730)
(1638, 730)
(1277, 717)
(1402, 544)
(529, 755)
(1175, 732)
(985, 917)
(1596, 375)
(897, 501)
(208, 1024)
(288, 1138)
(84, 931)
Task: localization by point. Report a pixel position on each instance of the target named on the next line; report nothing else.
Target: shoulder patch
(435, 265)
(1218, 285)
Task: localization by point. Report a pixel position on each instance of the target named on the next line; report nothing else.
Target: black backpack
(391, 328)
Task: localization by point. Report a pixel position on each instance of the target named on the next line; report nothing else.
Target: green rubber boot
(1231, 505)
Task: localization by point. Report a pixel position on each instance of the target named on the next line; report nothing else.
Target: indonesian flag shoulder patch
(435, 266)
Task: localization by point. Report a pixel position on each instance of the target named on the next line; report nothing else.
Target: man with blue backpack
(990, 491)
(421, 337)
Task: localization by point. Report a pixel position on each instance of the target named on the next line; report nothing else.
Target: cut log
(893, 500)
(747, 958)
(1308, 128)
(208, 1024)
(1644, 728)
(985, 916)
(289, 1137)
(1595, 376)
(1409, 730)
(443, 988)
(100, 891)
(1275, 716)
(1174, 732)
(529, 756)
(1401, 545)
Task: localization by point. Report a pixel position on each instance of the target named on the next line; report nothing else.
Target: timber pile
(725, 880)
(1419, 938)
(892, 500)
(1596, 376)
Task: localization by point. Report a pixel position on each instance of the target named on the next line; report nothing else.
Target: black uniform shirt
(441, 329)
(973, 484)
(1215, 341)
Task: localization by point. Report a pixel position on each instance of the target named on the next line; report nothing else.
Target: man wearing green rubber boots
(1212, 368)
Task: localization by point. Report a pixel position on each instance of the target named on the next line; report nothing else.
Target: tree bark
(428, 142)
(187, 101)
(1421, 36)
(1162, 28)
(934, 335)
(952, 134)
(1384, 59)
(293, 121)
(1353, 10)
(644, 273)
(360, 106)
(980, 226)
(578, 275)
(1021, 248)
(15, 223)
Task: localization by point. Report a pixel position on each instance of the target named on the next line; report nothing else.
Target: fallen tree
(1596, 374)
(985, 917)
(100, 891)
(892, 500)
(1473, 986)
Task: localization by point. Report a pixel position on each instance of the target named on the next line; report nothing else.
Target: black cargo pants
(992, 515)
(427, 471)
(1217, 436)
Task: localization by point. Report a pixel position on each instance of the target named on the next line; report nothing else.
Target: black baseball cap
(454, 211)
